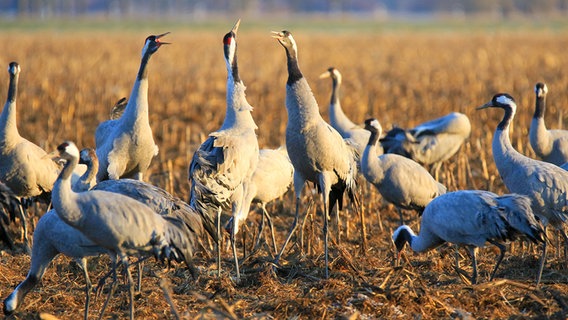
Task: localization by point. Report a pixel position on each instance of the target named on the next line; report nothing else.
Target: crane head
(286, 40)
(332, 73)
(500, 100)
(540, 89)
(14, 68)
(153, 43)
(230, 43)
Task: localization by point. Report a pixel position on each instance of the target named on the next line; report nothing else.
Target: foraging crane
(125, 146)
(337, 118)
(271, 179)
(222, 167)
(24, 166)
(400, 180)
(317, 151)
(430, 143)
(544, 183)
(10, 206)
(120, 224)
(550, 145)
(52, 236)
(470, 218)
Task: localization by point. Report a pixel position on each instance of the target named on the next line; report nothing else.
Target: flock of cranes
(106, 208)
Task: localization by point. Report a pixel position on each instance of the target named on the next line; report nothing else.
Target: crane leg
(473, 265)
(325, 187)
(130, 286)
(260, 230)
(502, 250)
(113, 286)
(291, 232)
(542, 261)
(88, 286)
(271, 226)
(219, 242)
(234, 246)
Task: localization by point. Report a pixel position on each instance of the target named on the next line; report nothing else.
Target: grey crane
(10, 208)
(271, 179)
(125, 146)
(544, 183)
(87, 157)
(24, 166)
(471, 218)
(550, 145)
(400, 180)
(317, 151)
(337, 118)
(120, 224)
(52, 236)
(222, 167)
(431, 142)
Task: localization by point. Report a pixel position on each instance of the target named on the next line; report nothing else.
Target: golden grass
(69, 81)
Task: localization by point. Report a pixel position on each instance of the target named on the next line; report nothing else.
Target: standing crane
(471, 218)
(337, 118)
(550, 145)
(544, 183)
(222, 167)
(399, 180)
(24, 167)
(125, 146)
(121, 225)
(52, 236)
(271, 179)
(317, 151)
(431, 142)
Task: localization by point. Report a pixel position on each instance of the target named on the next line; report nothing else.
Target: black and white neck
(540, 90)
(287, 41)
(230, 51)
(8, 121)
(375, 128)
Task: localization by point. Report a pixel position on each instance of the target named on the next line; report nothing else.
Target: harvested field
(70, 80)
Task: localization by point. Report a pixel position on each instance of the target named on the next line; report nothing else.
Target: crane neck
(503, 151)
(91, 173)
(294, 73)
(540, 106)
(238, 111)
(136, 109)
(8, 123)
(370, 164)
(337, 117)
(63, 197)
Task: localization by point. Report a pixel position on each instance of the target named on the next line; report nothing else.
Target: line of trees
(173, 7)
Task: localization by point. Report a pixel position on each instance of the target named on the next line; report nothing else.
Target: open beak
(277, 35)
(236, 27)
(485, 106)
(162, 35)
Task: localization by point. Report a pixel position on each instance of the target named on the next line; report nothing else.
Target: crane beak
(162, 35)
(277, 35)
(325, 75)
(236, 27)
(485, 106)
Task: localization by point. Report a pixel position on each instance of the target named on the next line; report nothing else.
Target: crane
(337, 118)
(121, 225)
(271, 179)
(544, 183)
(550, 145)
(24, 167)
(125, 146)
(222, 167)
(431, 142)
(471, 218)
(399, 180)
(317, 151)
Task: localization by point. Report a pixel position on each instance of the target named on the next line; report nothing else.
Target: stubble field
(70, 80)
